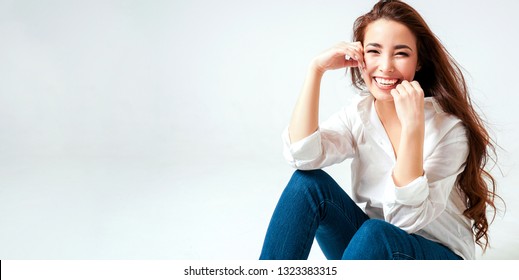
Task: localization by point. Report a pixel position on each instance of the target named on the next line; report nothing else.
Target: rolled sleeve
(413, 193)
(331, 143)
(303, 152)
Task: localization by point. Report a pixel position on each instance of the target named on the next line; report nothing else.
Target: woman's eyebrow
(397, 47)
(376, 45)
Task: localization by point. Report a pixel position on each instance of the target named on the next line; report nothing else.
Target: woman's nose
(386, 65)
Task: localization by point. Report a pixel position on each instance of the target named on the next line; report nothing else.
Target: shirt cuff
(413, 193)
(306, 149)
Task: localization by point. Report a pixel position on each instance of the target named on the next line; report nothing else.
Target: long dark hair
(441, 77)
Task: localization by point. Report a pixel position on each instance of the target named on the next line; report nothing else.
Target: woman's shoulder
(434, 111)
(441, 123)
(360, 101)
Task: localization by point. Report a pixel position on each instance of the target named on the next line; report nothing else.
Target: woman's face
(390, 55)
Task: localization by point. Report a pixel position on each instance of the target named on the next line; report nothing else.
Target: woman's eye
(372, 51)
(402, 54)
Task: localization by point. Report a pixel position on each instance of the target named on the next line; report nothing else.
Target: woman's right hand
(336, 57)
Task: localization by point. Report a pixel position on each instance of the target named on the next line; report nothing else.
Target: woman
(418, 150)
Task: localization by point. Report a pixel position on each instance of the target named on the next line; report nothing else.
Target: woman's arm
(305, 117)
(417, 204)
(409, 105)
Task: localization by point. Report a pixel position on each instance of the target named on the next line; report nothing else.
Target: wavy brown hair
(441, 77)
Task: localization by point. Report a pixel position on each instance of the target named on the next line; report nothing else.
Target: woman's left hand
(409, 105)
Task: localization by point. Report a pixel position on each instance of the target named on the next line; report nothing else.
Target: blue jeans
(314, 205)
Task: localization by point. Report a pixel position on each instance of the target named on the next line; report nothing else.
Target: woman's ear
(418, 67)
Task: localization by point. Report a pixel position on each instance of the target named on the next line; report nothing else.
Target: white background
(151, 129)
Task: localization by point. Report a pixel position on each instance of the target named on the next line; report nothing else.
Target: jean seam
(308, 235)
(331, 202)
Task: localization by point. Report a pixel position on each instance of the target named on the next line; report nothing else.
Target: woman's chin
(380, 94)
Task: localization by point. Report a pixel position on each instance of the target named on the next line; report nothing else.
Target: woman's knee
(308, 181)
(375, 227)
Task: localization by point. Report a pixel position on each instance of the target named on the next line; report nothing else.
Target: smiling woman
(418, 151)
(390, 57)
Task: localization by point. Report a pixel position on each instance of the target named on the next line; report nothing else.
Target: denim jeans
(313, 205)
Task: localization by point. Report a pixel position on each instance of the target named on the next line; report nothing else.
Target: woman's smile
(386, 83)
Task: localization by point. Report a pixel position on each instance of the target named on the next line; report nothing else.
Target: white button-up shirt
(432, 205)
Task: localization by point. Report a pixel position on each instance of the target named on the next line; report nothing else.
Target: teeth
(386, 82)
